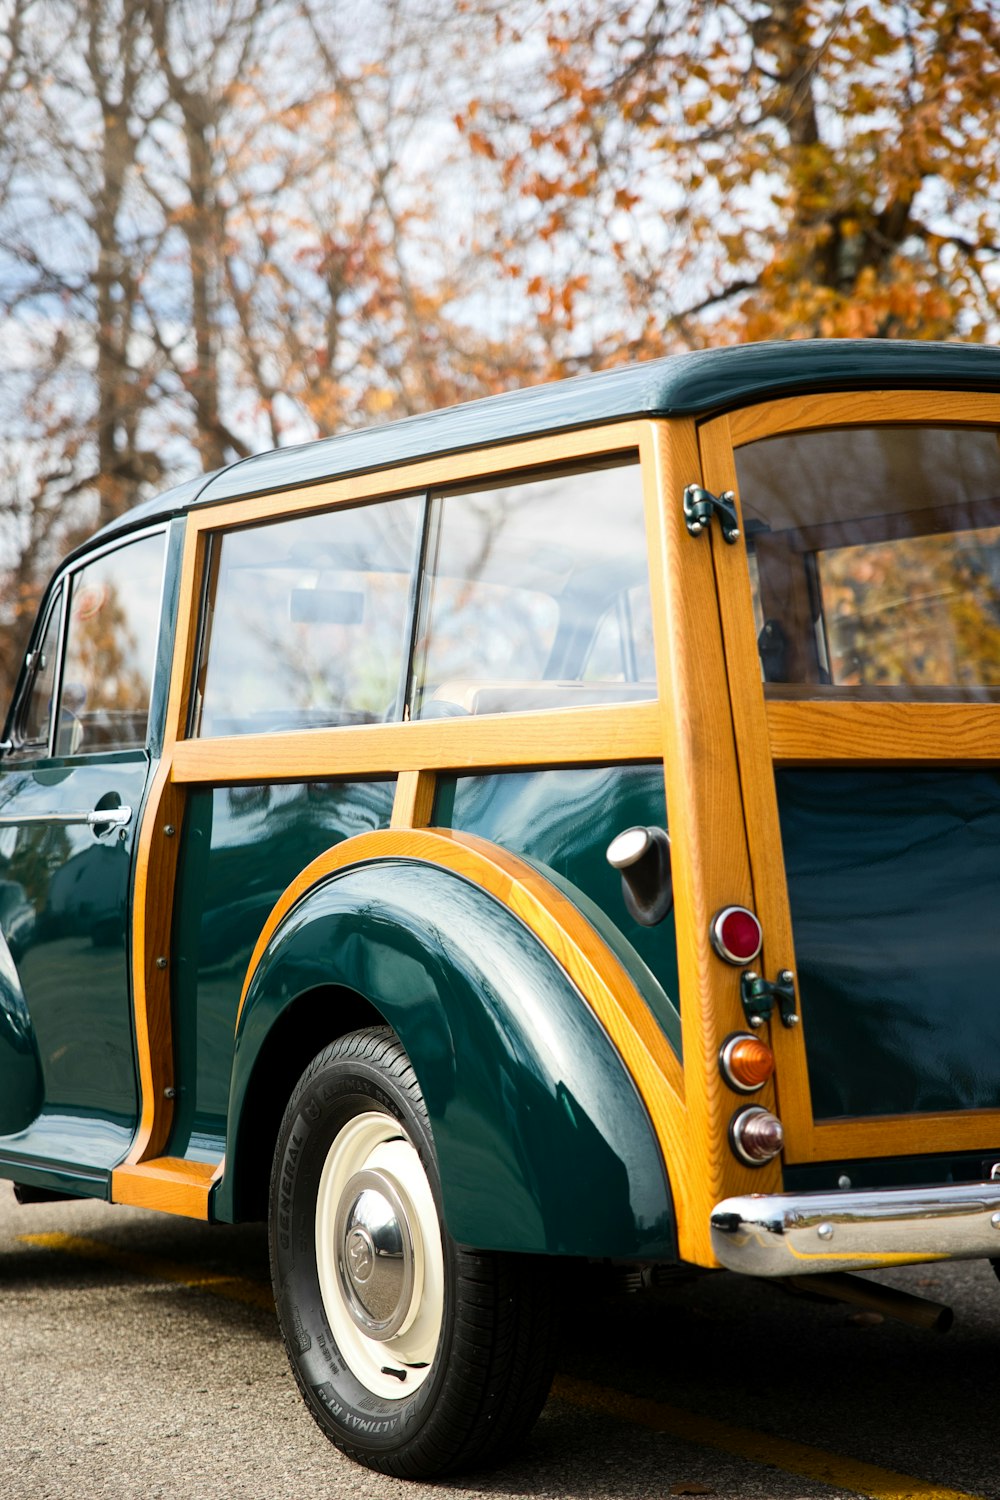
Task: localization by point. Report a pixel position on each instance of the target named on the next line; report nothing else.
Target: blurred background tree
(691, 172)
(221, 229)
(231, 224)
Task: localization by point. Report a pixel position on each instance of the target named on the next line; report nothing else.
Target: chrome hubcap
(375, 1254)
(379, 1255)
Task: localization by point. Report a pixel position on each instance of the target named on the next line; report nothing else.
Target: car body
(313, 792)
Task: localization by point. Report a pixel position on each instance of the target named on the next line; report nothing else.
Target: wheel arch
(543, 1142)
(307, 1023)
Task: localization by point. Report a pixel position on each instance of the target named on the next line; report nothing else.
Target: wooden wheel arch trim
(563, 930)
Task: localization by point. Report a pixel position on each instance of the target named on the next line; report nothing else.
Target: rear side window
(307, 623)
(535, 595)
(527, 595)
(875, 560)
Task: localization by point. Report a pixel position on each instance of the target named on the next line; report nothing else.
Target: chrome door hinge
(700, 505)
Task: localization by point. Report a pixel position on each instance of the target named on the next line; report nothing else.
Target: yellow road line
(761, 1448)
(659, 1416)
(234, 1288)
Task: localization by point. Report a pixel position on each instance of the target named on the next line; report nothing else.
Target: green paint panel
(78, 1181)
(68, 1088)
(563, 821)
(242, 847)
(543, 1143)
(892, 879)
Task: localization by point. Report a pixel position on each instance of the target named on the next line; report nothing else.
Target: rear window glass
(875, 560)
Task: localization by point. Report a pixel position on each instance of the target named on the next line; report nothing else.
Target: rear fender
(543, 1142)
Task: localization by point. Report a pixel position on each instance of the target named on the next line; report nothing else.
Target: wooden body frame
(688, 728)
(833, 731)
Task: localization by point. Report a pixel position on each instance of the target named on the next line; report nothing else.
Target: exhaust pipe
(841, 1286)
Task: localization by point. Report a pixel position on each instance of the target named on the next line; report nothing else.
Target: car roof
(696, 384)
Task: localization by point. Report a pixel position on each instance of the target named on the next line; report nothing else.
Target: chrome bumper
(795, 1234)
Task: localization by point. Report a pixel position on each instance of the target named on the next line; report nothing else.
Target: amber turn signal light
(745, 1062)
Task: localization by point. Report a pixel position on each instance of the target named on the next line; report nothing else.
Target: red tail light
(736, 935)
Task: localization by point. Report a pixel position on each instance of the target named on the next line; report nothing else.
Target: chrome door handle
(101, 818)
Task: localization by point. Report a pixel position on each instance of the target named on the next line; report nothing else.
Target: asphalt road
(139, 1359)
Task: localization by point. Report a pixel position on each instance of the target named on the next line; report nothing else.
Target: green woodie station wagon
(336, 882)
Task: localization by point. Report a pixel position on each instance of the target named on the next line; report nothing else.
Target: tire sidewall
(334, 1090)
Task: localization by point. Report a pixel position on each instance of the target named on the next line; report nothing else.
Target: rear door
(861, 611)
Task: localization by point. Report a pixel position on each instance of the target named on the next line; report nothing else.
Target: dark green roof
(697, 384)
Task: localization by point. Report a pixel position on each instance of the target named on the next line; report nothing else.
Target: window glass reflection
(536, 595)
(308, 620)
(875, 560)
(114, 619)
(37, 717)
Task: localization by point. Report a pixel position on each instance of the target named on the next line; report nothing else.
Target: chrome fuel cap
(375, 1254)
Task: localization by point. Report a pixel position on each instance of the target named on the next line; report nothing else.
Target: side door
(72, 781)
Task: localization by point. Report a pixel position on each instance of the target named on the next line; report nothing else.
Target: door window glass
(36, 717)
(114, 618)
(520, 585)
(876, 560)
(308, 621)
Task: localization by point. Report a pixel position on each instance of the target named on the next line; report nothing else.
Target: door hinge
(700, 505)
(760, 995)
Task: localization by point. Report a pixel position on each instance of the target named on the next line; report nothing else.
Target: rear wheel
(415, 1356)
